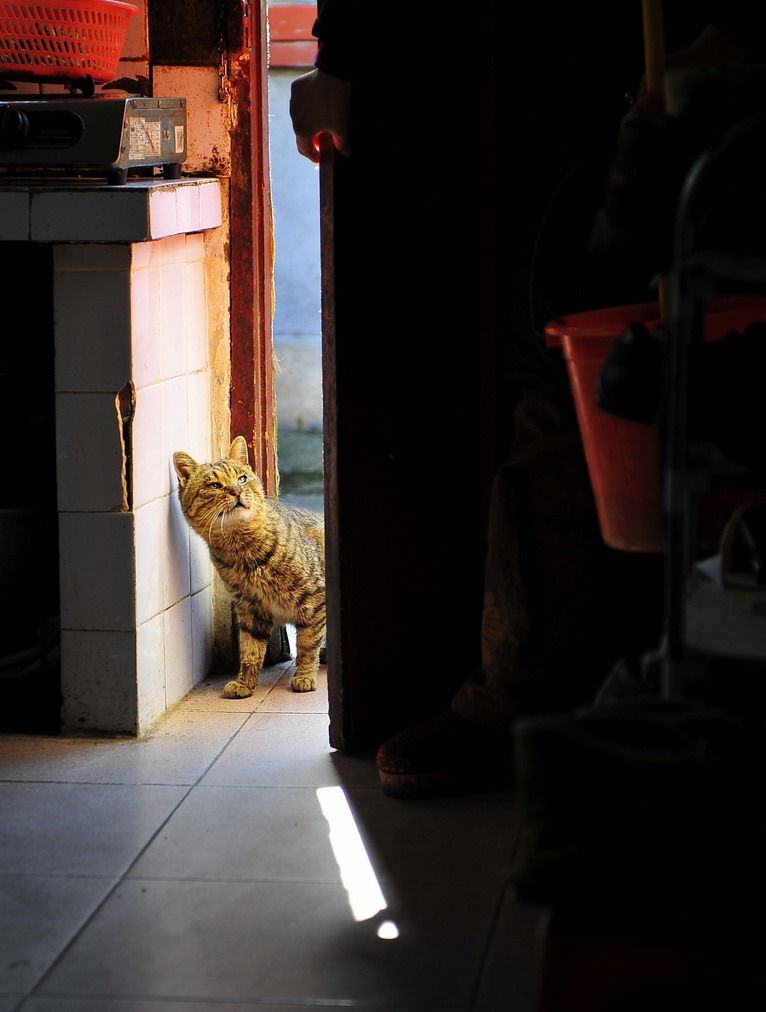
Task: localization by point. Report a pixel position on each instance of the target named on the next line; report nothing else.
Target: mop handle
(654, 41)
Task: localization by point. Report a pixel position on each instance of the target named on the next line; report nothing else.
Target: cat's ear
(238, 451)
(184, 465)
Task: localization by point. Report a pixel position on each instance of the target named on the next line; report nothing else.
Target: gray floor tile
(208, 694)
(282, 699)
(273, 693)
(177, 751)
(279, 942)
(38, 917)
(356, 772)
(235, 901)
(511, 972)
(282, 750)
(462, 839)
(79, 829)
(252, 834)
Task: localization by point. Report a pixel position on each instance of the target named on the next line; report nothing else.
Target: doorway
(297, 277)
(297, 309)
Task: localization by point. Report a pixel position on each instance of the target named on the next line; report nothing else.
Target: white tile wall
(200, 566)
(163, 214)
(14, 214)
(151, 559)
(195, 336)
(198, 436)
(139, 211)
(173, 350)
(177, 585)
(136, 585)
(98, 572)
(173, 209)
(188, 206)
(201, 630)
(209, 206)
(180, 249)
(179, 663)
(92, 333)
(146, 334)
(150, 671)
(175, 421)
(163, 567)
(88, 430)
(98, 214)
(144, 254)
(98, 680)
(150, 468)
(90, 257)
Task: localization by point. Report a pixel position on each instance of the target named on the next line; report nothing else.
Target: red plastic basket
(63, 41)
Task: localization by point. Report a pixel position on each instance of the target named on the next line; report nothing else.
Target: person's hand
(711, 48)
(320, 103)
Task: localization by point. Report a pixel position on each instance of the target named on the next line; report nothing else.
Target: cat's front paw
(303, 683)
(236, 690)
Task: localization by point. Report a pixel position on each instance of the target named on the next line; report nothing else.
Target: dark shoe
(445, 755)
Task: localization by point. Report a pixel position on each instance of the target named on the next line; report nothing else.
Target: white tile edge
(187, 216)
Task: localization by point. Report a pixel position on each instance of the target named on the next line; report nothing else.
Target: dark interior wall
(185, 34)
(29, 672)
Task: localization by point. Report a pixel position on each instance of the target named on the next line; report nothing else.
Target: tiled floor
(193, 871)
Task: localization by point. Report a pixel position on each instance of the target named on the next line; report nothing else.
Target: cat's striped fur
(270, 556)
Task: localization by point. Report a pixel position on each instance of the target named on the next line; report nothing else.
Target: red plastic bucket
(624, 458)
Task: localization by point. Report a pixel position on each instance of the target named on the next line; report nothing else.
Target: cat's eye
(214, 484)
(242, 479)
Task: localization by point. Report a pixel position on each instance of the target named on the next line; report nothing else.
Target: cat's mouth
(232, 508)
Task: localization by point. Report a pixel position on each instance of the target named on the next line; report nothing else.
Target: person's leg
(560, 608)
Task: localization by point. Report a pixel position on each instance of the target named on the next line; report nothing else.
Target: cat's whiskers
(220, 513)
(208, 518)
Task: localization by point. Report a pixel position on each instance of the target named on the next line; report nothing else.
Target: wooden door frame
(231, 36)
(253, 398)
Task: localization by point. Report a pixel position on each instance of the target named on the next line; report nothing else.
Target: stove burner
(100, 131)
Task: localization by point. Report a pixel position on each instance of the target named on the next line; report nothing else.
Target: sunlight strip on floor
(356, 872)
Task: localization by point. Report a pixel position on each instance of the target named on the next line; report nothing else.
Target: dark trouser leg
(561, 607)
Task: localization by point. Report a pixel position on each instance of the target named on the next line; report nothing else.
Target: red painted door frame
(232, 36)
(253, 409)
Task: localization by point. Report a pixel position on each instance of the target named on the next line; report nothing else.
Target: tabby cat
(270, 556)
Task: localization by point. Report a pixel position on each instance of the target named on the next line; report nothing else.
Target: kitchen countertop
(80, 210)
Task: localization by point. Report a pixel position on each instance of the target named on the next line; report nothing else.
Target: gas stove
(93, 132)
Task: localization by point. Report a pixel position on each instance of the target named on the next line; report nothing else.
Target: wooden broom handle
(654, 41)
(654, 68)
